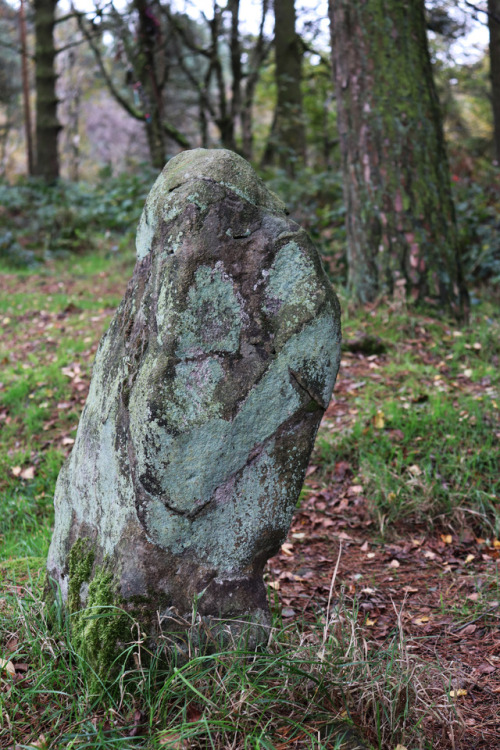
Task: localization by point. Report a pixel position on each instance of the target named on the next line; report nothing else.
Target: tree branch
(127, 106)
(487, 12)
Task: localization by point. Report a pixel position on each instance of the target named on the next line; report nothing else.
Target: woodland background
(381, 131)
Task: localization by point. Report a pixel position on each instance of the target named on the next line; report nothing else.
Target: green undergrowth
(43, 334)
(40, 223)
(305, 690)
(424, 437)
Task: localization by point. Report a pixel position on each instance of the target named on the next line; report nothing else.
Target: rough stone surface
(206, 395)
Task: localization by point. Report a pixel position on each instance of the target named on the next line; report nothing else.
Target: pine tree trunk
(290, 133)
(401, 228)
(47, 124)
(494, 27)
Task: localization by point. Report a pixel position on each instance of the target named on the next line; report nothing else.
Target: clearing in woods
(394, 548)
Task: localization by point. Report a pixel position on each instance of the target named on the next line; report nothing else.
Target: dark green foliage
(477, 205)
(40, 222)
(314, 200)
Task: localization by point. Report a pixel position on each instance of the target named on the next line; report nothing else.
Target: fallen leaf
(415, 470)
(467, 372)
(139, 724)
(288, 612)
(469, 629)
(40, 742)
(400, 747)
(8, 666)
(364, 547)
(421, 620)
(173, 740)
(394, 564)
(15, 471)
(28, 473)
(379, 420)
(355, 489)
(446, 538)
(369, 623)
(473, 597)
(193, 713)
(274, 585)
(287, 549)
(344, 537)
(486, 668)
(310, 470)
(68, 441)
(469, 559)
(458, 693)
(496, 543)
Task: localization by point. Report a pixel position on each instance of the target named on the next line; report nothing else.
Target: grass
(425, 436)
(305, 690)
(421, 435)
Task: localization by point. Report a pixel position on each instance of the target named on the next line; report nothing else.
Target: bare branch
(478, 9)
(127, 106)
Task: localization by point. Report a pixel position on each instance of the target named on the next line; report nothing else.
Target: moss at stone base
(100, 630)
(81, 561)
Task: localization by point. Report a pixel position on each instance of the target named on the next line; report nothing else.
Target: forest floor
(396, 540)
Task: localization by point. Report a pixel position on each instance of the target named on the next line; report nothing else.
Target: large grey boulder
(206, 395)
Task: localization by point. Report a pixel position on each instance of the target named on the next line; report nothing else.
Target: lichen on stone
(206, 395)
(213, 317)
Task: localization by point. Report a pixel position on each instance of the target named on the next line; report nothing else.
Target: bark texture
(289, 132)
(494, 29)
(206, 395)
(401, 229)
(47, 123)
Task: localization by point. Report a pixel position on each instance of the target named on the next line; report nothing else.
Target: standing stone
(206, 395)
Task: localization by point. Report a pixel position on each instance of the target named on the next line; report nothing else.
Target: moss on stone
(81, 561)
(100, 629)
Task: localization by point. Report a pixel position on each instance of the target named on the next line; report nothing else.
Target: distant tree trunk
(26, 91)
(148, 35)
(47, 124)
(289, 133)
(494, 27)
(401, 228)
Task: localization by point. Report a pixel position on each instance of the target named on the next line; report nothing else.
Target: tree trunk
(401, 229)
(148, 34)
(26, 91)
(290, 133)
(494, 27)
(47, 124)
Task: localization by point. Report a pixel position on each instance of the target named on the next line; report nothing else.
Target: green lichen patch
(213, 318)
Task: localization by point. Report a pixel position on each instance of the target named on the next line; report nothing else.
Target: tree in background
(494, 28)
(223, 67)
(47, 123)
(139, 79)
(289, 132)
(400, 216)
(10, 81)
